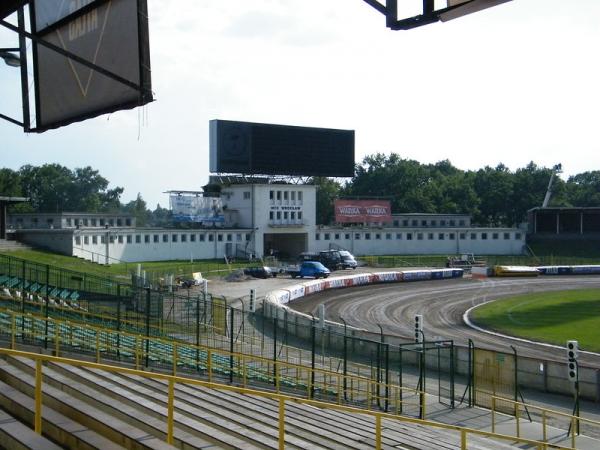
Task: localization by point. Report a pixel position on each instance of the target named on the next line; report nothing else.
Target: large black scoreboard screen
(266, 149)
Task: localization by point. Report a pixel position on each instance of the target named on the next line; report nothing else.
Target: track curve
(442, 303)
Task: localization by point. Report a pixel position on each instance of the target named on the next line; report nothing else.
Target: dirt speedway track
(442, 303)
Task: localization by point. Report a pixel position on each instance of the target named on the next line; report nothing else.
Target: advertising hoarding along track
(363, 211)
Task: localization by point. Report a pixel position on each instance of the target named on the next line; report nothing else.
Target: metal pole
(147, 326)
(47, 301)
(118, 319)
(231, 317)
(312, 362)
(275, 350)
(198, 329)
(24, 76)
(345, 381)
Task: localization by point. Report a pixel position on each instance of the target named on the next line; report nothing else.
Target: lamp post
(9, 57)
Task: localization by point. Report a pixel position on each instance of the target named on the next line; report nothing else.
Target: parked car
(260, 272)
(329, 258)
(309, 269)
(348, 261)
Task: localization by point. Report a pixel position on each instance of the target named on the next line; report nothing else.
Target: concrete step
(19, 376)
(16, 436)
(56, 426)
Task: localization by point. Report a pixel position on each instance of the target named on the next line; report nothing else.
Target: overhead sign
(191, 208)
(267, 149)
(361, 211)
(111, 34)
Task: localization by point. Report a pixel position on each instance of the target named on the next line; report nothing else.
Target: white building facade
(261, 220)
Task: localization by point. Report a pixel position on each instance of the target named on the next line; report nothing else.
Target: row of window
(429, 223)
(285, 195)
(157, 238)
(98, 222)
(291, 215)
(418, 236)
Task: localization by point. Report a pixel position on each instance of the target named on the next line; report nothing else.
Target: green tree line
(493, 196)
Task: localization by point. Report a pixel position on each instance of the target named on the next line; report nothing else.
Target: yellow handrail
(282, 399)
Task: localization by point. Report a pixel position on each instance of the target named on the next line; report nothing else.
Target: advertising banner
(361, 211)
(190, 208)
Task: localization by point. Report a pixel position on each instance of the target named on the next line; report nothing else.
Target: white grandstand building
(259, 219)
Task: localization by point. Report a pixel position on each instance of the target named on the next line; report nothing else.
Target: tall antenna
(555, 171)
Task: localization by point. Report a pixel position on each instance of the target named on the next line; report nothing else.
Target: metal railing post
(281, 423)
(38, 396)
(378, 432)
(170, 411)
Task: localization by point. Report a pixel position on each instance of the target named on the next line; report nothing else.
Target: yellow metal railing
(327, 385)
(572, 420)
(282, 400)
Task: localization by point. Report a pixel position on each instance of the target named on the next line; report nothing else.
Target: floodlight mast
(454, 9)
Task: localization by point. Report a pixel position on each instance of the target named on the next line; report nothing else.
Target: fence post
(170, 411)
(345, 360)
(198, 328)
(38, 396)
(23, 296)
(118, 320)
(471, 373)
(313, 337)
(275, 350)
(231, 348)
(452, 373)
(147, 327)
(281, 423)
(47, 301)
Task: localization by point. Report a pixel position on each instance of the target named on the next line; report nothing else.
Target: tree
(584, 189)
(137, 208)
(327, 191)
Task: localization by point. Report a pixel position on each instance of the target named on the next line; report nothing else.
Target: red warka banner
(360, 211)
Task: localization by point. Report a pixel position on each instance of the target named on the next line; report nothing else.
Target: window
(327, 236)
(517, 236)
(238, 237)
(285, 195)
(494, 235)
(184, 238)
(293, 195)
(111, 222)
(93, 222)
(484, 236)
(461, 222)
(285, 215)
(138, 239)
(173, 237)
(299, 196)
(165, 238)
(430, 236)
(211, 237)
(103, 239)
(452, 222)
(50, 222)
(119, 222)
(506, 236)
(246, 195)
(415, 223)
(129, 240)
(441, 236)
(278, 215)
(423, 223)
(271, 195)
(69, 221)
(318, 236)
(367, 236)
(220, 237)
(419, 236)
(77, 240)
(94, 239)
(405, 223)
(85, 222)
(156, 238)
(398, 235)
(409, 236)
(101, 222)
(396, 223)
(347, 236)
(201, 238)
(473, 236)
(271, 215)
(337, 236)
(146, 239)
(293, 215)
(192, 238)
(452, 236)
(120, 239)
(229, 237)
(278, 195)
(462, 236)
(86, 240)
(299, 215)
(442, 223)
(388, 235)
(128, 222)
(247, 236)
(378, 236)
(434, 223)
(357, 236)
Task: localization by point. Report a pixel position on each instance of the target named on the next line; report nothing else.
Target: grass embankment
(122, 271)
(552, 317)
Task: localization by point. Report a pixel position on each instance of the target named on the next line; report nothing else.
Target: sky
(516, 83)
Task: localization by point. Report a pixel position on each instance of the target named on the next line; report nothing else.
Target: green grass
(553, 317)
(122, 271)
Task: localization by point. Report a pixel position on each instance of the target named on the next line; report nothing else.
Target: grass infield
(552, 317)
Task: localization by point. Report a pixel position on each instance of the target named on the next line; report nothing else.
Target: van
(348, 261)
